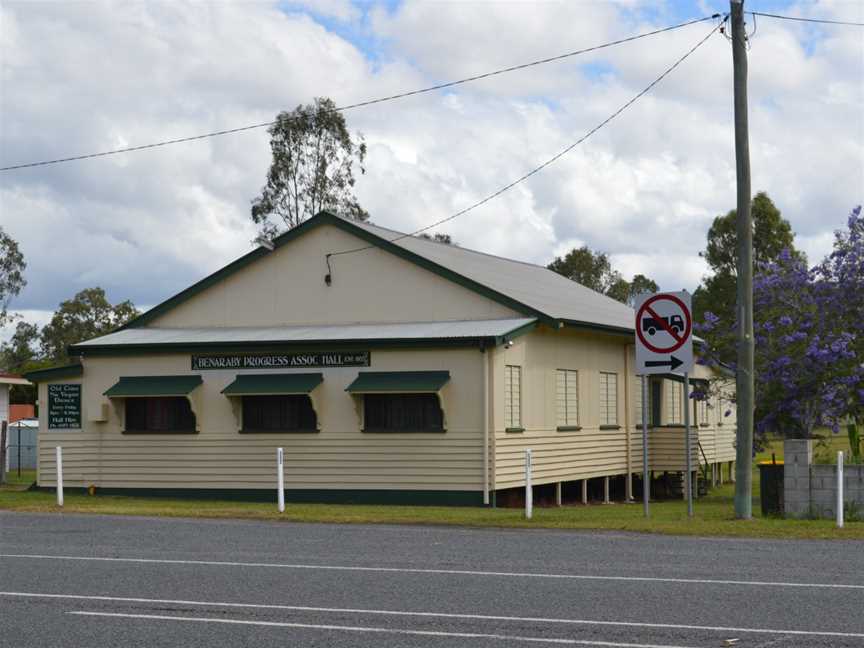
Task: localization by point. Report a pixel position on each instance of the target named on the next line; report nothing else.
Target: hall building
(390, 368)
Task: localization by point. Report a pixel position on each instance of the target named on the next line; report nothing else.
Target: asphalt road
(94, 581)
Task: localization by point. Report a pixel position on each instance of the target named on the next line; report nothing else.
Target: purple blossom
(813, 371)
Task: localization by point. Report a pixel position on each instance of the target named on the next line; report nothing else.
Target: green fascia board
(131, 386)
(255, 384)
(398, 382)
(599, 328)
(326, 218)
(515, 333)
(55, 373)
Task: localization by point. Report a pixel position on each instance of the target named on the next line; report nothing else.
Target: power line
(551, 160)
(369, 102)
(809, 20)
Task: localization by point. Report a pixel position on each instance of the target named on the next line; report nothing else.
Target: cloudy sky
(81, 77)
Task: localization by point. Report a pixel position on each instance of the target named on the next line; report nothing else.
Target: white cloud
(38, 317)
(95, 76)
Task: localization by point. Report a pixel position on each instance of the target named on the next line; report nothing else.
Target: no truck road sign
(664, 333)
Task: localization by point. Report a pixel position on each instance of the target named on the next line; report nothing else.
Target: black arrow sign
(673, 363)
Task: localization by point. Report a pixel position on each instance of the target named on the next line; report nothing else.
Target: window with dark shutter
(159, 414)
(280, 413)
(402, 413)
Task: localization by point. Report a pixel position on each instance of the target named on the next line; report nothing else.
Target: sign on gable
(300, 360)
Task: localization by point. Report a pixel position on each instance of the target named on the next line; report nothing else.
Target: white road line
(457, 572)
(423, 633)
(438, 615)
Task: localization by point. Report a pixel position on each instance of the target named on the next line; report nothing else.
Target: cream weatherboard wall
(340, 456)
(712, 435)
(566, 454)
(287, 287)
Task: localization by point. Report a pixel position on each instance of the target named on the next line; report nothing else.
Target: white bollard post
(280, 478)
(529, 494)
(840, 489)
(59, 476)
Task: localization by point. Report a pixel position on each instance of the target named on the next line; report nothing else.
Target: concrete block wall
(812, 489)
(798, 457)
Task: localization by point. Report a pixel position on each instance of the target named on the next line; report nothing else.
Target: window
(608, 399)
(654, 408)
(402, 413)
(702, 410)
(567, 398)
(282, 413)
(726, 410)
(512, 397)
(674, 413)
(159, 414)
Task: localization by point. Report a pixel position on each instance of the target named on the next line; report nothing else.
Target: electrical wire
(548, 162)
(809, 20)
(369, 102)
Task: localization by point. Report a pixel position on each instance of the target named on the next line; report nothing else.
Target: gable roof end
(526, 288)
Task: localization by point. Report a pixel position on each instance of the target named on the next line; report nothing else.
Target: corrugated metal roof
(468, 329)
(535, 286)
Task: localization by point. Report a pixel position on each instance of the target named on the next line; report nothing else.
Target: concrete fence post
(840, 489)
(59, 476)
(280, 479)
(529, 495)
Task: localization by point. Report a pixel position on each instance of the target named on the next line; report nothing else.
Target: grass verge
(714, 514)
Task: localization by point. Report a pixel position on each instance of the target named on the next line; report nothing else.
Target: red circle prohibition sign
(680, 339)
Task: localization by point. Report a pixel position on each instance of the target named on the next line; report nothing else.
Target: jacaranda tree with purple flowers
(844, 270)
(809, 338)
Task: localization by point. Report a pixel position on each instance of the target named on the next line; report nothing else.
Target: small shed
(21, 444)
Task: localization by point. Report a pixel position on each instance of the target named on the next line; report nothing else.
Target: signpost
(664, 344)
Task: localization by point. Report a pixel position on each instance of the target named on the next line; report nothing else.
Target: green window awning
(395, 382)
(263, 384)
(131, 386)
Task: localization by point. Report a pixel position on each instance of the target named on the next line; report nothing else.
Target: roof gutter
(53, 373)
(598, 328)
(264, 347)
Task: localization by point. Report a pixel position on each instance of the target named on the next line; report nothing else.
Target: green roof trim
(132, 386)
(309, 345)
(326, 218)
(262, 384)
(398, 382)
(599, 328)
(55, 373)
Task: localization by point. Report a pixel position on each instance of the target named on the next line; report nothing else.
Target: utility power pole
(744, 374)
